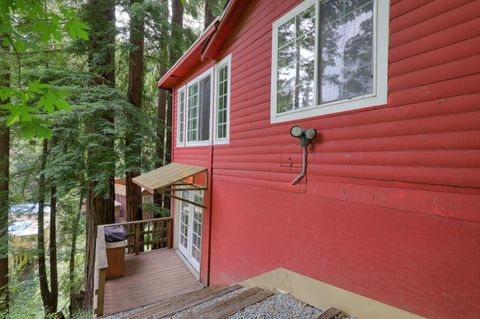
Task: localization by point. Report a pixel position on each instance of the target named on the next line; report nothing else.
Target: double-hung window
(197, 119)
(222, 101)
(203, 101)
(329, 56)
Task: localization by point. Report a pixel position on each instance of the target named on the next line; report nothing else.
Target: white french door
(190, 227)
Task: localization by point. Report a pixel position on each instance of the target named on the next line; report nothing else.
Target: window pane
(346, 49)
(287, 77)
(307, 46)
(181, 116)
(285, 100)
(222, 102)
(306, 21)
(295, 62)
(192, 113)
(286, 33)
(287, 55)
(204, 121)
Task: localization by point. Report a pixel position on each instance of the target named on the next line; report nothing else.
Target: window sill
(328, 108)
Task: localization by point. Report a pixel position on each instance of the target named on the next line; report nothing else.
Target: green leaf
(76, 29)
(47, 102)
(44, 132)
(37, 87)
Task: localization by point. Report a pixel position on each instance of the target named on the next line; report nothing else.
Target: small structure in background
(22, 230)
(121, 202)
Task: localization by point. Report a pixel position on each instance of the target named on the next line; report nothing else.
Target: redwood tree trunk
(73, 250)
(160, 147)
(209, 17)
(135, 89)
(175, 35)
(100, 15)
(161, 113)
(4, 193)
(42, 269)
(53, 250)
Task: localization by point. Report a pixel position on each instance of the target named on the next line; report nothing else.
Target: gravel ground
(279, 306)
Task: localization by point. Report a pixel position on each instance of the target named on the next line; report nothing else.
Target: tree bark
(175, 35)
(161, 123)
(4, 193)
(161, 111)
(100, 15)
(42, 269)
(135, 89)
(53, 249)
(73, 249)
(209, 17)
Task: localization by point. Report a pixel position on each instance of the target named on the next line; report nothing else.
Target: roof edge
(199, 43)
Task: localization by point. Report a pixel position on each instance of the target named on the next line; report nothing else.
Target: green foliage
(28, 27)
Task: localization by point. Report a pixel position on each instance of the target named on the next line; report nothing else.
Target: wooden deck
(149, 277)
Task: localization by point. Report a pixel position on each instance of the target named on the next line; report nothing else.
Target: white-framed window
(222, 101)
(198, 109)
(329, 56)
(181, 104)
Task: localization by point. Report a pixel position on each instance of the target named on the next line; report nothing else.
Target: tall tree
(100, 15)
(135, 89)
(162, 104)
(175, 52)
(52, 244)
(4, 187)
(73, 250)
(209, 9)
(42, 269)
(49, 295)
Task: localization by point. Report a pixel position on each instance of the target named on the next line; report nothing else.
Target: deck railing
(142, 236)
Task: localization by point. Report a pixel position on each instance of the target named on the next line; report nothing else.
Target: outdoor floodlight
(305, 136)
(296, 131)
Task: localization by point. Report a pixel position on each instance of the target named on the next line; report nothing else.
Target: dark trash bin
(115, 233)
(115, 237)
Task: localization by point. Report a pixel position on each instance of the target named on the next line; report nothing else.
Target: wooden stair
(218, 310)
(228, 307)
(332, 313)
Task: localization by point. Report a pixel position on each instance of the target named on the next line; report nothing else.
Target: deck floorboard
(149, 278)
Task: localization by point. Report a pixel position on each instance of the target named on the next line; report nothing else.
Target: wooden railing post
(101, 265)
(100, 292)
(137, 239)
(170, 233)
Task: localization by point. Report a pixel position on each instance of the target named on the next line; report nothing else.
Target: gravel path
(279, 306)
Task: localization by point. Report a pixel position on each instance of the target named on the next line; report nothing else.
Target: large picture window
(329, 56)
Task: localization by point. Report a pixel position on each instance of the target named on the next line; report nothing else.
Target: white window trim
(179, 91)
(227, 61)
(212, 82)
(380, 66)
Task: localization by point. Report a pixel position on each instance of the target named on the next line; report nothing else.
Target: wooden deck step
(228, 307)
(332, 313)
(180, 303)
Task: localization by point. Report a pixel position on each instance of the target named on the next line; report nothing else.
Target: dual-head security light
(305, 136)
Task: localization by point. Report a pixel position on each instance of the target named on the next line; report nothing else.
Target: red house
(385, 222)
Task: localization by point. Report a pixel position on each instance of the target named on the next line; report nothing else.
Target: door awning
(174, 176)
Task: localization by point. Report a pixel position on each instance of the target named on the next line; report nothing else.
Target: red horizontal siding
(417, 156)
